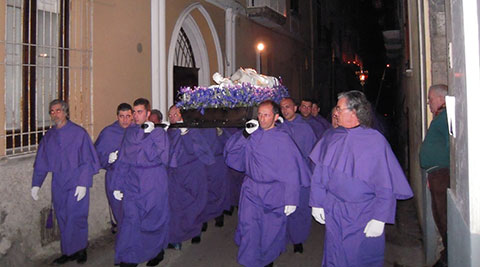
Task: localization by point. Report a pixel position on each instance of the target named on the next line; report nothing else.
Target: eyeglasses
(339, 109)
(53, 111)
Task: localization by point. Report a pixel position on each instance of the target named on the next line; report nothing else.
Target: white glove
(280, 119)
(150, 127)
(80, 192)
(374, 228)
(118, 195)
(35, 192)
(112, 157)
(289, 209)
(251, 126)
(183, 131)
(318, 214)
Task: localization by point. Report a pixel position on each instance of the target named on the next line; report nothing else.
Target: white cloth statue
(245, 76)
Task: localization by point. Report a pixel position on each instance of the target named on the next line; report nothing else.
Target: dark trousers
(439, 181)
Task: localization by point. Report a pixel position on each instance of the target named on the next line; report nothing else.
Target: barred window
(183, 51)
(38, 65)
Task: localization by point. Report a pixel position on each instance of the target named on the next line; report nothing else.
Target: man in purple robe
(316, 115)
(355, 184)
(107, 145)
(274, 170)
(319, 124)
(298, 224)
(140, 182)
(187, 180)
(67, 151)
(217, 178)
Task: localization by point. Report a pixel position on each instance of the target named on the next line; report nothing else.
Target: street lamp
(362, 76)
(260, 48)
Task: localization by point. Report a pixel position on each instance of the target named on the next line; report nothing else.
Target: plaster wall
(459, 240)
(121, 56)
(20, 221)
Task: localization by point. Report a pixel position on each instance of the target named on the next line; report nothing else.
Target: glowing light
(388, 65)
(260, 47)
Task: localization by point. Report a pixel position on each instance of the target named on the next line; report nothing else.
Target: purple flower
(239, 95)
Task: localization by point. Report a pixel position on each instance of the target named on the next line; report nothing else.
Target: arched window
(185, 72)
(183, 51)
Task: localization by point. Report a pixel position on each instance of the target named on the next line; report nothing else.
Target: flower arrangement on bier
(245, 88)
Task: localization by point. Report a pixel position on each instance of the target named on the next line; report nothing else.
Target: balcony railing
(270, 13)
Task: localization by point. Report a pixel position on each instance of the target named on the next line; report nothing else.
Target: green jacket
(435, 149)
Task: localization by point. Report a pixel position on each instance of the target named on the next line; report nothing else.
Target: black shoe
(62, 260)
(196, 240)
(219, 221)
(269, 265)
(81, 256)
(124, 264)
(113, 229)
(230, 211)
(155, 261)
(204, 227)
(298, 248)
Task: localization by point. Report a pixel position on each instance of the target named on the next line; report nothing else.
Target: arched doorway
(186, 25)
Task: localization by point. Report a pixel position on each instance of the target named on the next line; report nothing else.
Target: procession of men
(164, 183)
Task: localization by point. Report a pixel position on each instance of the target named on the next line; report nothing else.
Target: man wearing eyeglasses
(67, 151)
(435, 160)
(355, 184)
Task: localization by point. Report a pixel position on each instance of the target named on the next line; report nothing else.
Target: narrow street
(403, 249)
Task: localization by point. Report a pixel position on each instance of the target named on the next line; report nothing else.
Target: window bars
(48, 56)
(183, 51)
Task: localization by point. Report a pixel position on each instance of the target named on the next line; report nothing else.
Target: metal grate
(183, 51)
(41, 64)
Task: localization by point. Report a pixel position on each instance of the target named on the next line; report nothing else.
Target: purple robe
(235, 177)
(141, 175)
(299, 222)
(274, 170)
(357, 178)
(69, 154)
(187, 183)
(323, 121)
(317, 126)
(108, 141)
(217, 176)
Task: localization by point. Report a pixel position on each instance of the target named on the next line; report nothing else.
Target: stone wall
(438, 41)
